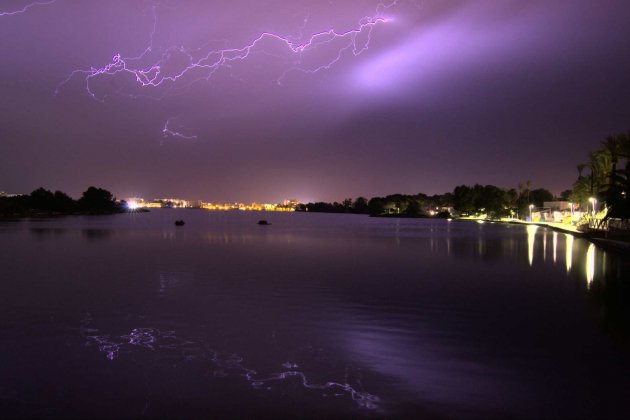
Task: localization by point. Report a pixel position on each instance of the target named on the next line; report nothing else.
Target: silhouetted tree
(539, 196)
(566, 195)
(98, 200)
(42, 199)
(413, 208)
(615, 192)
(491, 200)
(464, 199)
(376, 206)
(347, 205)
(360, 205)
(63, 203)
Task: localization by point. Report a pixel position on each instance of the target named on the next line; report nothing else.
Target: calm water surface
(316, 315)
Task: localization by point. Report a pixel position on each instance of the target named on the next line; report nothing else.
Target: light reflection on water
(531, 238)
(569, 252)
(590, 264)
(594, 259)
(342, 314)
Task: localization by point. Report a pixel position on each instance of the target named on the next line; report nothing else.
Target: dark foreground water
(316, 315)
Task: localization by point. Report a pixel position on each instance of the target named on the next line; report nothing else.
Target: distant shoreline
(43, 215)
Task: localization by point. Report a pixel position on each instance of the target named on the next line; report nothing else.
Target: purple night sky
(407, 96)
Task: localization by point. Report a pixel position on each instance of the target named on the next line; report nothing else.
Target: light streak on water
(590, 264)
(569, 252)
(531, 239)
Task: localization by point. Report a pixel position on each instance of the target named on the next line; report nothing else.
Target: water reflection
(47, 232)
(168, 344)
(569, 252)
(593, 263)
(93, 235)
(531, 239)
(169, 280)
(451, 314)
(423, 363)
(590, 264)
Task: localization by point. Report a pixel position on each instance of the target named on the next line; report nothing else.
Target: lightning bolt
(208, 61)
(170, 133)
(25, 8)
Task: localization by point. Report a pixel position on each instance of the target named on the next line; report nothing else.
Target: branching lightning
(202, 63)
(25, 8)
(167, 132)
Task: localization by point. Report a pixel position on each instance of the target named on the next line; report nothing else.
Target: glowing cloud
(467, 38)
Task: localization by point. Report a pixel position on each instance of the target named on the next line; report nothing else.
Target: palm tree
(612, 145)
(528, 183)
(600, 163)
(616, 193)
(580, 168)
(624, 145)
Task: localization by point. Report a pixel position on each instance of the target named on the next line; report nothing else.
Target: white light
(531, 239)
(132, 205)
(569, 252)
(590, 264)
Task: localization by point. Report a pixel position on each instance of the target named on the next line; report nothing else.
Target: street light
(593, 201)
(531, 206)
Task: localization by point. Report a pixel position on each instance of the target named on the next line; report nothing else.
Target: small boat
(179, 223)
(263, 223)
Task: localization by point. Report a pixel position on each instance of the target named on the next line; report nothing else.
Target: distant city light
(140, 203)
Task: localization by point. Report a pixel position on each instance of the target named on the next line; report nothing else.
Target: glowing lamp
(593, 201)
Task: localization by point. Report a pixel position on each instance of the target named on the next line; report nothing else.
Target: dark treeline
(608, 177)
(464, 200)
(42, 202)
(496, 202)
(607, 182)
